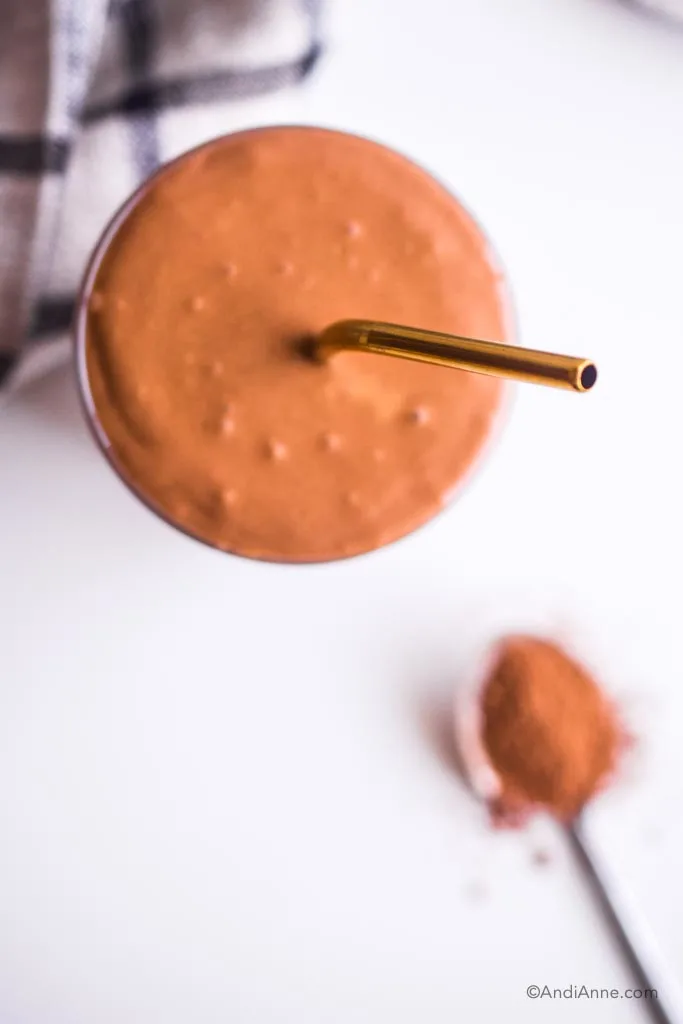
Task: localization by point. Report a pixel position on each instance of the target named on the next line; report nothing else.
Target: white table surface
(223, 796)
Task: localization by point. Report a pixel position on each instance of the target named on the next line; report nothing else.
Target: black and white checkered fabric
(93, 95)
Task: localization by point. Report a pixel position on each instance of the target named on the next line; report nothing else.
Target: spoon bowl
(480, 774)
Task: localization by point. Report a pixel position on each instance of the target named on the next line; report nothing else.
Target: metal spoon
(631, 931)
(628, 927)
(669, 12)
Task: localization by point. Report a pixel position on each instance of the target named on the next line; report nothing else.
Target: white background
(225, 788)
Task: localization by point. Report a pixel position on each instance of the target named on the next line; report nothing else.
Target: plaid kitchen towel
(93, 95)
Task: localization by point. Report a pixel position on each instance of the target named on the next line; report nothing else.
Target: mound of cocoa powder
(550, 732)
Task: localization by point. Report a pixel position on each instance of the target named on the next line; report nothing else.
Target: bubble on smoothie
(353, 229)
(419, 415)
(228, 496)
(277, 450)
(331, 442)
(197, 303)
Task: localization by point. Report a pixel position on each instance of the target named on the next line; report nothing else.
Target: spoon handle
(632, 933)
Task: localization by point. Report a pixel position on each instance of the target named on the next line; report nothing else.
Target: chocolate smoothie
(196, 312)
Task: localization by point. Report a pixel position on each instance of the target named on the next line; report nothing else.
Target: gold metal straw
(490, 357)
